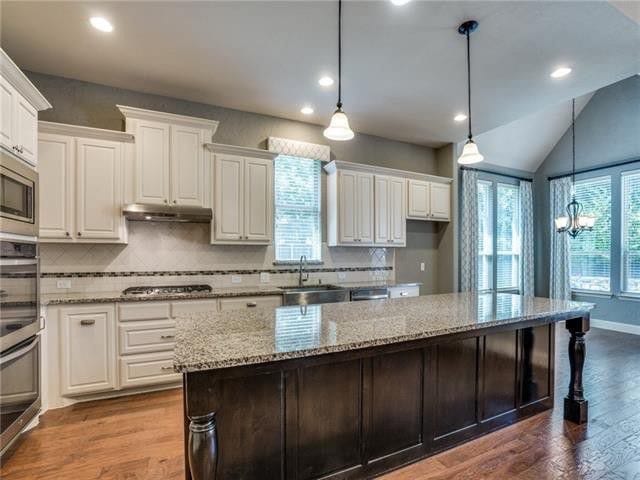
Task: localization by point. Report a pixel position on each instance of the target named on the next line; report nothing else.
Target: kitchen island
(351, 390)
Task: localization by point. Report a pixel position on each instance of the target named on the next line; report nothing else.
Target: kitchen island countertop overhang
(352, 390)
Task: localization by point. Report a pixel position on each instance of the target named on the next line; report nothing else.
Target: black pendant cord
(573, 142)
(339, 105)
(469, 81)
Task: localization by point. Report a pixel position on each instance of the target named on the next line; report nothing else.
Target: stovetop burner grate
(167, 289)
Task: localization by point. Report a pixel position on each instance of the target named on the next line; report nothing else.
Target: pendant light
(338, 128)
(575, 222)
(470, 153)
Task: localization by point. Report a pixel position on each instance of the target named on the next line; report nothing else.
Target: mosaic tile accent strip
(207, 272)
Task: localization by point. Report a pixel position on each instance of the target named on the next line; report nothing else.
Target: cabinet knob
(166, 201)
(67, 234)
(87, 323)
(79, 234)
(175, 201)
(240, 237)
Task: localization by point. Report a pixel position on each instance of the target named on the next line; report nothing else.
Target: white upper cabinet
(81, 184)
(243, 195)
(368, 205)
(429, 200)
(20, 102)
(170, 154)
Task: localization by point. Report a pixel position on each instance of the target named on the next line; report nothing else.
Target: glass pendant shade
(470, 154)
(338, 128)
(562, 223)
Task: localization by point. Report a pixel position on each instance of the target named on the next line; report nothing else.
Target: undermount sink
(313, 294)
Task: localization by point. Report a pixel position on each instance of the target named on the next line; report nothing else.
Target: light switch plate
(63, 284)
(265, 277)
(422, 266)
(236, 279)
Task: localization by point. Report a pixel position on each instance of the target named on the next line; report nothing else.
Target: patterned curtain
(560, 268)
(469, 232)
(526, 259)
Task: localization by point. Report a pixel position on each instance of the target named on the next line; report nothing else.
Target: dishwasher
(369, 293)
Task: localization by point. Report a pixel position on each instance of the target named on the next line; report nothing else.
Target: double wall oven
(20, 319)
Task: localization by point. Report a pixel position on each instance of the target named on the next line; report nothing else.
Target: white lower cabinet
(402, 292)
(245, 303)
(147, 369)
(149, 336)
(88, 346)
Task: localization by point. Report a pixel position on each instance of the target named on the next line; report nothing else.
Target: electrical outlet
(265, 277)
(236, 279)
(422, 266)
(342, 275)
(63, 284)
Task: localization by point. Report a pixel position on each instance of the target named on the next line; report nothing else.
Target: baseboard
(615, 326)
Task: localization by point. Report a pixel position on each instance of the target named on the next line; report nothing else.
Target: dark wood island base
(359, 413)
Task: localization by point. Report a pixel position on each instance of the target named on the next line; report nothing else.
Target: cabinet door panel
(257, 199)
(187, 166)
(88, 350)
(152, 162)
(99, 189)
(55, 166)
(7, 120)
(26, 129)
(440, 201)
(397, 211)
(382, 213)
(348, 203)
(229, 198)
(418, 199)
(365, 208)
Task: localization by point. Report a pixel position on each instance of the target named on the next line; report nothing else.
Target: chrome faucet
(302, 275)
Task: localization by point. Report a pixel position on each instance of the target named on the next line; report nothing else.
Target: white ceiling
(404, 68)
(526, 142)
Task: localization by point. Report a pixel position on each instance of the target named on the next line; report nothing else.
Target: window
(591, 251)
(631, 232)
(498, 236)
(297, 209)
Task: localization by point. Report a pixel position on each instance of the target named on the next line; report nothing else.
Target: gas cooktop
(167, 290)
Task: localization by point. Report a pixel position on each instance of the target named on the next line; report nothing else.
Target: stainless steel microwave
(18, 197)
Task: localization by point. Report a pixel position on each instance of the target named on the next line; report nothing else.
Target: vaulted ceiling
(403, 71)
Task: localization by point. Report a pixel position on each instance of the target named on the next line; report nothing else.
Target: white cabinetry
(170, 166)
(390, 211)
(245, 303)
(350, 204)
(429, 200)
(88, 349)
(81, 184)
(406, 291)
(243, 195)
(20, 102)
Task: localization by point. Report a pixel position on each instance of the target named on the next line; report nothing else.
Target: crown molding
(242, 151)
(84, 132)
(155, 116)
(21, 83)
(335, 165)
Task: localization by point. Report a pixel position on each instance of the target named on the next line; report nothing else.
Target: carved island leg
(203, 447)
(575, 405)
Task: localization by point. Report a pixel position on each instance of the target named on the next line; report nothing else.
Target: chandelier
(575, 221)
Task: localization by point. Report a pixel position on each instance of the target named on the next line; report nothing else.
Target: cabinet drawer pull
(404, 294)
(165, 368)
(252, 304)
(87, 323)
(164, 337)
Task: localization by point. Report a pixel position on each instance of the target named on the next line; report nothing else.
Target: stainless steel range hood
(166, 213)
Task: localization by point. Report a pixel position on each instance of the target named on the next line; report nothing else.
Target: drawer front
(143, 311)
(147, 369)
(149, 336)
(193, 306)
(401, 292)
(241, 303)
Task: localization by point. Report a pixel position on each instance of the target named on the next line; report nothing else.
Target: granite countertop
(213, 340)
(116, 296)
(110, 297)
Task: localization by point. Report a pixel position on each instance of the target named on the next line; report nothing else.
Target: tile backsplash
(174, 248)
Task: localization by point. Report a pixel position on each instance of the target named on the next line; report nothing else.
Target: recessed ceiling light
(306, 110)
(560, 72)
(102, 24)
(461, 117)
(399, 3)
(326, 81)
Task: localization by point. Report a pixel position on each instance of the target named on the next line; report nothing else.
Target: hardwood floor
(140, 437)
